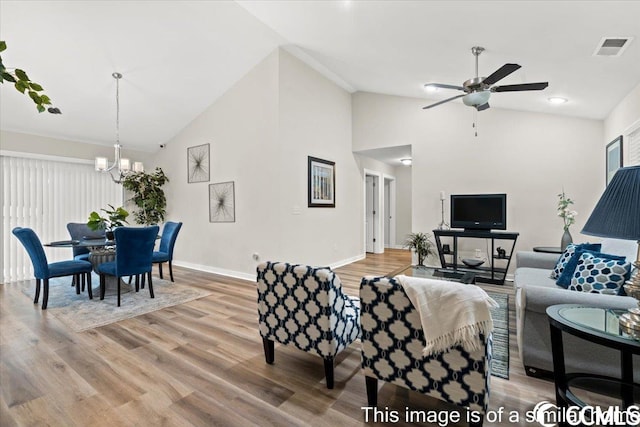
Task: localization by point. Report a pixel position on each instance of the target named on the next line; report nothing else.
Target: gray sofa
(535, 291)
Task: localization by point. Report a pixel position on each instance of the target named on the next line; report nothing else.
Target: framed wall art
(222, 202)
(613, 157)
(321, 183)
(198, 163)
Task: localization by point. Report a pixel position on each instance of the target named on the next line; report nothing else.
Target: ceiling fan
(478, 89)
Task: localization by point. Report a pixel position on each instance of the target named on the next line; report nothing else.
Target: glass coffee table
(465, 277)
(601, 326)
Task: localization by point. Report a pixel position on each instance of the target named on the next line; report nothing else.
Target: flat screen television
(479, 211)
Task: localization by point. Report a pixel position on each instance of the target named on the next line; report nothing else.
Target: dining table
(100, 251)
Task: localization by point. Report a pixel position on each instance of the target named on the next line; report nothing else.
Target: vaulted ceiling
(178, 57)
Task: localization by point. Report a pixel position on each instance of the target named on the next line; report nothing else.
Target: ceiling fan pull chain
(474, 125)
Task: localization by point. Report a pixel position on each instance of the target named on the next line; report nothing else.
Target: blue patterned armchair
(392, 344)
(305, 307)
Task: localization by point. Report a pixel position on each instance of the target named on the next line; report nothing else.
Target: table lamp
(617, 215)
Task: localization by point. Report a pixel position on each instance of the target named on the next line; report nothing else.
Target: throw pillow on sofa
(567, 274)
(599, 275)
(568, 253)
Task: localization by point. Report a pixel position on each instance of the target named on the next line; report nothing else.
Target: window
(45, 195)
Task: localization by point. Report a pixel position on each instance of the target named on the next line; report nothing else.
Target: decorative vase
(566, 239)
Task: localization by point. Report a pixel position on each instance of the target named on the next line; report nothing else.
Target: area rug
(79, 313)
(500, 353)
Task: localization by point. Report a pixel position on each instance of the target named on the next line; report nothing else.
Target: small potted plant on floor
(115, 217)
(421, 245)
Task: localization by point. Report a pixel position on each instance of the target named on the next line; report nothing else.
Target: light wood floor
(200, 363)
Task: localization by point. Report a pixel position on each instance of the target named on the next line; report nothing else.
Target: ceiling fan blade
(482, 107)
(520, 87)
(501, 73)
(443, 101)
(444, 86)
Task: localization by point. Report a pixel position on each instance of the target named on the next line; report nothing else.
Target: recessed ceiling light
(431, 88)
(557, 100)
(406, 162)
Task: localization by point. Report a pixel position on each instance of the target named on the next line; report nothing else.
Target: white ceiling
(177, 57)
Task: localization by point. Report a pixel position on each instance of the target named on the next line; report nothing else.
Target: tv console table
(488, 274)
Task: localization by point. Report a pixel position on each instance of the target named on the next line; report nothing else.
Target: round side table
(597, 325)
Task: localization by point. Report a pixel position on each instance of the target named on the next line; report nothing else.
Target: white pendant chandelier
(121, 166)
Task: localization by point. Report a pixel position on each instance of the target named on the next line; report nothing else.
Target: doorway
(389, 195)
(372, 212)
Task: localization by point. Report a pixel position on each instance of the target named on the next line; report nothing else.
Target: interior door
(370, 216)
(387, 213)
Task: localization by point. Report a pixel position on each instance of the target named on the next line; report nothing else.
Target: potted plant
(148, 195)
(568, 217)
(115, 217)
(421, 245)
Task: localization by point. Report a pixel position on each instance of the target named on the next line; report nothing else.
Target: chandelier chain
(117, 76)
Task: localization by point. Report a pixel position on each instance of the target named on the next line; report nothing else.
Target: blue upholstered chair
(134, 251)
(81, 231)
(167, 242)
(43, 271)
(305, 307)
(392, 344)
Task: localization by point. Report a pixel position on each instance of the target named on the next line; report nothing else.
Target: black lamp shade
(617, 214)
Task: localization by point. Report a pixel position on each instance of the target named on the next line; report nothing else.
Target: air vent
(612, 46)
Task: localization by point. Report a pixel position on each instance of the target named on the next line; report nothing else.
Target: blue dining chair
(167, 242)
(81, 231)
(43, 271)
(134, 252)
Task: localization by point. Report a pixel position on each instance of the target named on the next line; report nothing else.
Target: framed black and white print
(198, 163)
(613, 157)
(321, 183)
(222, 202)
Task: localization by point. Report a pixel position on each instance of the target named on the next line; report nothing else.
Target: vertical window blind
(634, 147)
(45, 195)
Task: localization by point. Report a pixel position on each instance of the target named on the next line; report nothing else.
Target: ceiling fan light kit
(475, 99)
(477, 90)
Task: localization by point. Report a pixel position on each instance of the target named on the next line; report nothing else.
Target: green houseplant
(115, 217)
(148, 195)
(421, 244)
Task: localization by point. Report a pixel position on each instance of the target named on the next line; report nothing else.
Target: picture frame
(222, 202)
(198, 163)
(321, 183)
(613, 158)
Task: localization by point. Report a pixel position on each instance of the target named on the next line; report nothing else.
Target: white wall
(623, 119)
(529, 156)
(261, 132)
(315, 120)
(241, 128)
(41, 145)
(403, 203)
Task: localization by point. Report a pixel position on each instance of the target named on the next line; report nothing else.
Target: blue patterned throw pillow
(568, 253)
(565, 278)
(599, 275)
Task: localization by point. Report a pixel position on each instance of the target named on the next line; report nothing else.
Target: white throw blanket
(451, 313)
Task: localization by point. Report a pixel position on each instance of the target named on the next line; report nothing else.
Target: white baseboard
(216, 270)
(347, 261)
(248, 276)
